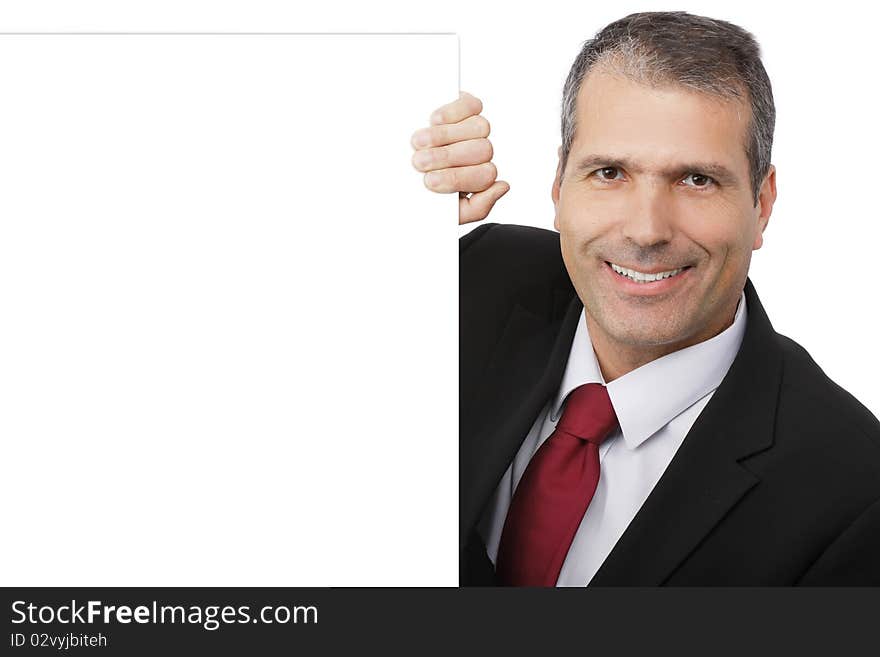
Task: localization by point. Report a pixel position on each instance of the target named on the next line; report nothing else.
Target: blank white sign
(228, 312)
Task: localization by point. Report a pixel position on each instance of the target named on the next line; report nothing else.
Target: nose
(649, 215)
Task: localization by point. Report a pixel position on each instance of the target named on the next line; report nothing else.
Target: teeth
(640, 277)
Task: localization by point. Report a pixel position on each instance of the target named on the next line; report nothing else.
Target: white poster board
(228, 312)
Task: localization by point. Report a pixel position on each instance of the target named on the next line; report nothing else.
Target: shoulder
(831, 445)
(493, 236)
(823, 405)
(503, 268)
(511, 261)
(817, 481)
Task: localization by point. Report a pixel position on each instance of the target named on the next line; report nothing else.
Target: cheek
(582, 217)
(721, 228)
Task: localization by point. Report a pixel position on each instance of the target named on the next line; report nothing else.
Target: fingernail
(436, 117)
(432, 178)
(422, 138)
(422, 159)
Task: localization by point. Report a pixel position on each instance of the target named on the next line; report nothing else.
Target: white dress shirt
(656, 405)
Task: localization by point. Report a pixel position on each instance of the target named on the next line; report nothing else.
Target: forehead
(659, 125)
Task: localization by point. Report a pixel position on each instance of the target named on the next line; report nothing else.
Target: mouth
(643, 283)
(645, 277)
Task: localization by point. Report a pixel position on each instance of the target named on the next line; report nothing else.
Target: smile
(643, 277)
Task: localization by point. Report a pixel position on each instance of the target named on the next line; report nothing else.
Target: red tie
(555, 491)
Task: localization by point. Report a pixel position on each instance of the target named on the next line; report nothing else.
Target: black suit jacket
(776, 483)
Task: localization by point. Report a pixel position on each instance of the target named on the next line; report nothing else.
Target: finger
(463, 153)
(473, 127)
(466, 105)
(462, 179)
(479, 205)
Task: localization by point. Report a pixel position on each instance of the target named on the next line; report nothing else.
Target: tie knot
(588, 413)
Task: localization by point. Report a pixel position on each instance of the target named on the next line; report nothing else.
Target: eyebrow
(715, 170)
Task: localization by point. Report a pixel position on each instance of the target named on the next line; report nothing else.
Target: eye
(608, 173)
(697, 180)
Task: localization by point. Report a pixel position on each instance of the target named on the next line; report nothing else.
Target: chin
(649, 333)
(645, 338)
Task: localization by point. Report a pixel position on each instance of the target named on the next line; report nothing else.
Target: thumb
(478, 206)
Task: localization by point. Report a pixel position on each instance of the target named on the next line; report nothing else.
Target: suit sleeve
(853, 558)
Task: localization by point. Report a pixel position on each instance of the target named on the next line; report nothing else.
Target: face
(657, 184)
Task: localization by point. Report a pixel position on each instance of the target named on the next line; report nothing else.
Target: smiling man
(628, 414)
(660, 189)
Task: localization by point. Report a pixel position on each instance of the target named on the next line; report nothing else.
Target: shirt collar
(648, 398)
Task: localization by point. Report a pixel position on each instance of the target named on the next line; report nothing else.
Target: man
(628, 415)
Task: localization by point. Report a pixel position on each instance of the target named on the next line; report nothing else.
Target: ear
(554, 192)
(766, 199)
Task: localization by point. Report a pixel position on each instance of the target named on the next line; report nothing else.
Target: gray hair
(704, 54)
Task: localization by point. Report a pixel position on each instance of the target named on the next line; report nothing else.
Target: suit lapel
(705, 480)
(525, 370)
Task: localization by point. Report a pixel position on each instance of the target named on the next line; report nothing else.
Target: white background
(815, 273)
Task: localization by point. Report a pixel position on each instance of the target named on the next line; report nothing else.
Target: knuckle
(486, 149)
(483, 126)
(452, 179)
(474, 210)
(486, 177)
(465, 212)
